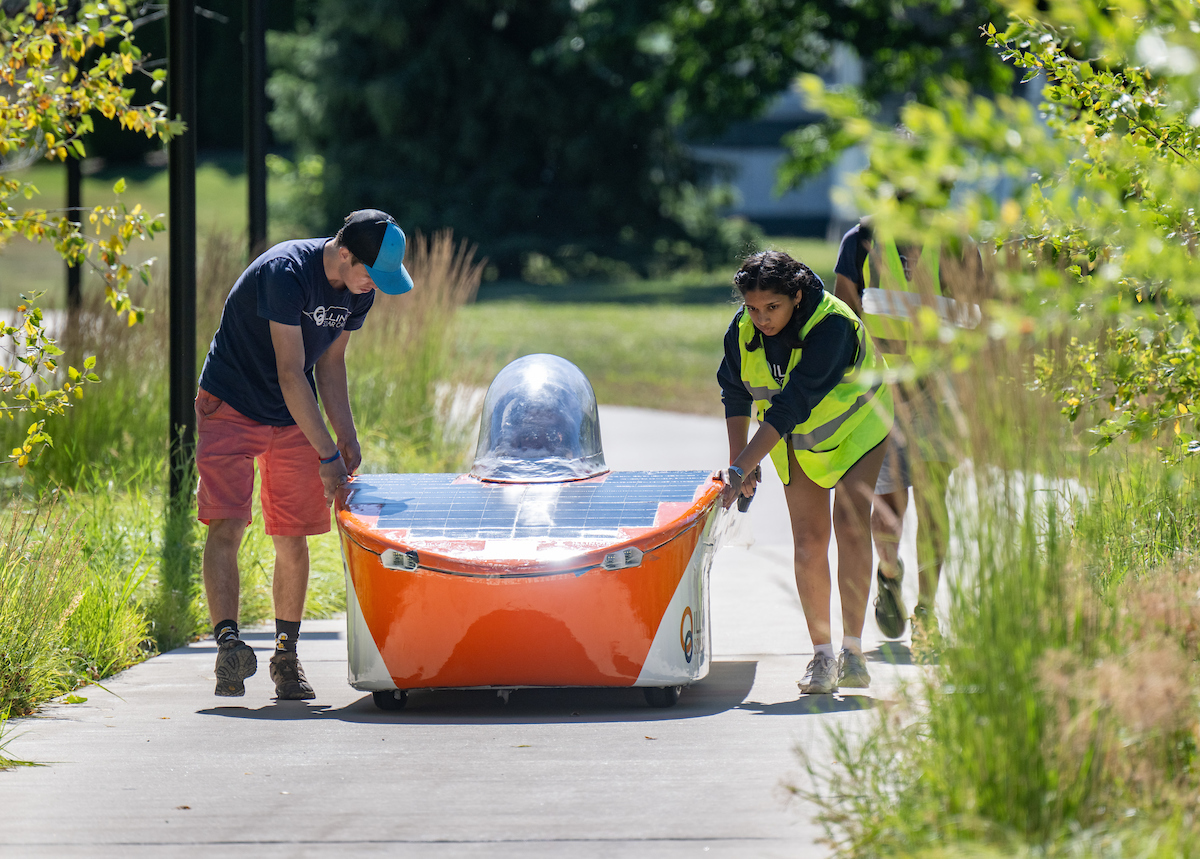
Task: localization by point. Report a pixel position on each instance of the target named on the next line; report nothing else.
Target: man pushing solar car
(538, 568)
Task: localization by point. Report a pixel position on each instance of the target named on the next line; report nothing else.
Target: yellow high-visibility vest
(889, 320)
(851, 419)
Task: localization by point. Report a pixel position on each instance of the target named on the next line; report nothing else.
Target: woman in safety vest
(803, 362)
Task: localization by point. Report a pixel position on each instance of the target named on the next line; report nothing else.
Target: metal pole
(254, 54)
(74, 204)
(72, 342)
(181, 83)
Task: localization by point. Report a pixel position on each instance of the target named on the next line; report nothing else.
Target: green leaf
(119, 187)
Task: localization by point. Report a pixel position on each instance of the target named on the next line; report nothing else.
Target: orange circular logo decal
(686, 630)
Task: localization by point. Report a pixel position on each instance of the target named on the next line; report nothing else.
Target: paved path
(157, 766)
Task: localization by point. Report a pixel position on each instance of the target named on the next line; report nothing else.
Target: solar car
(540, 567)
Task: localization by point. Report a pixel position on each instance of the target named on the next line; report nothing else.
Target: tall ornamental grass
(402, 378)
(1057, 715)
(64, 621)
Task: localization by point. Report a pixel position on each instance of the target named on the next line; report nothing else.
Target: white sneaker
(820, 678)
(852, 670)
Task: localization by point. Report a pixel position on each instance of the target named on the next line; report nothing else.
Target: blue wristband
(336, 456)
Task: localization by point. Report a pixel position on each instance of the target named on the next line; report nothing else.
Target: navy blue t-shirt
(852, 256)
(287, 284)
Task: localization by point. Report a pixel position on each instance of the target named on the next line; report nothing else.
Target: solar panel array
(433, 505)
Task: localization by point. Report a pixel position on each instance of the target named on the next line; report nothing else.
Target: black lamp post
(181, 89)
(255, 104)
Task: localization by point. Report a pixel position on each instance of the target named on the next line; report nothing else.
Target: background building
(748, 157)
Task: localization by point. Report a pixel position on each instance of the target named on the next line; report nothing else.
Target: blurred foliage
(552, 131)
(1086, 200)
(219, 77)
(1062, 718)
(59, 63)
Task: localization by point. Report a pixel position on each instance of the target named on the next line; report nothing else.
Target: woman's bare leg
(808, 508)
(852, 526)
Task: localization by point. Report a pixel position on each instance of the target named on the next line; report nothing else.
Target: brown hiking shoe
(889, 604)
(927, 642)
(235, 662)
(288, 674)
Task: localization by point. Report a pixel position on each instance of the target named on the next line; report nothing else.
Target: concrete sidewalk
(157, 766)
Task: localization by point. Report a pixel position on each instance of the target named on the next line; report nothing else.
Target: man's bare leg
(222, 587)
(289, 586)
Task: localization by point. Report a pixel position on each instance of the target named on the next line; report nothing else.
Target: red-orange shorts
(227, 445)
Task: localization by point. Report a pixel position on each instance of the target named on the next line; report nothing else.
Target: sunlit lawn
(28, 266)
(654, 344)
(655, 356)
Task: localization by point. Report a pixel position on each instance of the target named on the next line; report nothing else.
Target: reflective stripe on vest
(893, 331)
(840, 410)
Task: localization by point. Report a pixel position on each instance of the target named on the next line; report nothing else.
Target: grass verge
(1058, 716)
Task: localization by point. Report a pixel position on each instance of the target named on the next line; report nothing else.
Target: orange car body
(457, 583)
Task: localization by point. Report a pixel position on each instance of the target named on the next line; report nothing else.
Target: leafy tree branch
(60, 63)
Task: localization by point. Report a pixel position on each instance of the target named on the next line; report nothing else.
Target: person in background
(883, 281)
(801, 360)
(281, 344)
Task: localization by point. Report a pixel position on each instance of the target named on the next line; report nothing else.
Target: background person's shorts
(227, 445)
(917, 436)
(894, 473)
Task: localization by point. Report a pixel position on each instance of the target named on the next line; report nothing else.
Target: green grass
(650, 343)
(1062, 717)
(221, 206)
(654, 356)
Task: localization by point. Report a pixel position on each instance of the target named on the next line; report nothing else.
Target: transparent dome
(539, 425)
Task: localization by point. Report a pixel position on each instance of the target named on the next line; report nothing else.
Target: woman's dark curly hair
(778, 272)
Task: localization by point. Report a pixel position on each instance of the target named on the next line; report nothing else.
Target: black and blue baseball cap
(378, 242)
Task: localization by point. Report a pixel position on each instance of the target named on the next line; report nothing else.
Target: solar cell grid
(434, 505)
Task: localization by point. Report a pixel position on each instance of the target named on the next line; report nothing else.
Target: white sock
(854, 645)
(825, 650)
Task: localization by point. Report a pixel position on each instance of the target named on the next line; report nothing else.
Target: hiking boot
(235, 662)
(852, 670)
(925, 623)
(820, 678)
(890, 613)
(288, 674)
(926, 634)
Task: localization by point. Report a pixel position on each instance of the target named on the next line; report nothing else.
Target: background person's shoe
(852, 670)
(925, 622)
(288, 674)
(926, 633)
(890, 613)
(235, 662)
(820, 678)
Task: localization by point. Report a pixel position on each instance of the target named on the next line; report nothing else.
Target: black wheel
(662, 696)
(390, 699)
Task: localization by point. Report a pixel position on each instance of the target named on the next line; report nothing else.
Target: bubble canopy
(540, 424)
